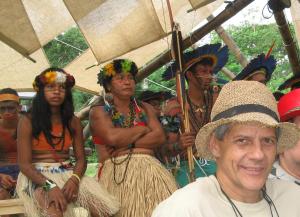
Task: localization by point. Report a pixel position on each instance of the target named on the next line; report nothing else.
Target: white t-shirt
(279, 173)
(204, 198)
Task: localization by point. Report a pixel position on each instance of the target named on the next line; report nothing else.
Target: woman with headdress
(49, 184)
(259, 69)
(127, 132)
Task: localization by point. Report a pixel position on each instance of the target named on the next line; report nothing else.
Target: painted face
(245, 156)
(260, 77)
(55, 93)
(9, 109)
(203, 73)
(122, 85)
(293, 154)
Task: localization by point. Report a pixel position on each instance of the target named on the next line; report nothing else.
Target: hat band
(247, 108)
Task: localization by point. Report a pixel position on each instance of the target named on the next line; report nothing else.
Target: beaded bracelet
(76, 176)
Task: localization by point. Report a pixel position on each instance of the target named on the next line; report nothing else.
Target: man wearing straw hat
(287, 165)
(244, 137)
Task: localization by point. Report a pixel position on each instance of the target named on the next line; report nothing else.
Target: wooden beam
(288, 40)
(231, 10)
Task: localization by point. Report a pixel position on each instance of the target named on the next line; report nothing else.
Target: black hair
(9, 91)
(117, 63)
(41, 112)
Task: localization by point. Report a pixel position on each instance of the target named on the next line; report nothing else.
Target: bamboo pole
(231, 10)
(295, 8)
(288, 41)
(228, 40)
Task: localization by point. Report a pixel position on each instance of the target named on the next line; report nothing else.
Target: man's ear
(214, 146)
(19, 108)
(188, 75)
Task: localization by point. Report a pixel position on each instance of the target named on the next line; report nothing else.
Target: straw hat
(246, 101)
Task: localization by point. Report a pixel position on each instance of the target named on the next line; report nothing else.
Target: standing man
(287, 166)
(200, 67)
(9, 116)
(244, 137)
(259, 69)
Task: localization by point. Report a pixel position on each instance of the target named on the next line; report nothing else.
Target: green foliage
(156, 77)
(80, 99)
(255, 39)
(60, 54)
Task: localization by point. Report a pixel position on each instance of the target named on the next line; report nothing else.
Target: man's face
(293, 154)
(9, 109)
(122, 85)
(260, 77)
(203, 73)
(245, 156)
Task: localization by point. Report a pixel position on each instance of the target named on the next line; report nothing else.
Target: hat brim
(288, 138)
(290, 115)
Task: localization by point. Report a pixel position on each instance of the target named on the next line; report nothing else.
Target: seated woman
(9, 116)
(127, 132)
(49, 184)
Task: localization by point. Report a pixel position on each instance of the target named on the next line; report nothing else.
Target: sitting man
(244, 137)
(9, 109)
(287, 166)
(259, 69)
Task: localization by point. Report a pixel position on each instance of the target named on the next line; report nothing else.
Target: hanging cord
(264, 194)
(269, 10)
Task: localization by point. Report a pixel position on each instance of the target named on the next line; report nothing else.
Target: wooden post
(288, 41)
(230, 43)
(295, 11)
(231, 10)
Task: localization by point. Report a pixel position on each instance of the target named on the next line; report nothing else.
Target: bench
(11, 206)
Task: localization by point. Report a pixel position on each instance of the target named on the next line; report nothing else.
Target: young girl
(49, 184)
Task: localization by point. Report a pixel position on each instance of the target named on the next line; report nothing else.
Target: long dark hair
(41, 112)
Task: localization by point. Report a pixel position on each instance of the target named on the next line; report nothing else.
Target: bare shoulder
(96, 111)
(25, 120)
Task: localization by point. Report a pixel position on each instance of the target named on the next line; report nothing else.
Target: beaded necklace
(119, 120)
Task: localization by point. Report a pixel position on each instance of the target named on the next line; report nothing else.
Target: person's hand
(57, 197)
(70, 189)
(144, 129)
(7, 182)
(186, 140)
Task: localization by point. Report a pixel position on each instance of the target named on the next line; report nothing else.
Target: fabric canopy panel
(180, 9)
(18, 72)
(196, 4)
(28, 24)
(87, 79)
(48, 18)
(116, 27)
(15, 26)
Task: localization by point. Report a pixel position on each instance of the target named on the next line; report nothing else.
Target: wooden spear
(180, 87)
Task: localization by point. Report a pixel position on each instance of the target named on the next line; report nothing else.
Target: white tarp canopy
(135, 29)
